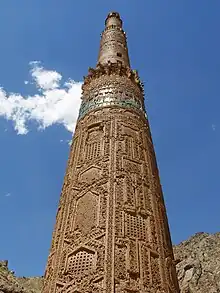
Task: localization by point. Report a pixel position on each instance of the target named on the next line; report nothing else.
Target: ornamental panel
(135, 226)
(86, 214)
(80, 263)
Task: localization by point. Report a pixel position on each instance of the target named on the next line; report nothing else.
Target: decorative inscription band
(107, 102)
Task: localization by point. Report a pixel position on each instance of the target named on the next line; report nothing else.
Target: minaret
(111, 233)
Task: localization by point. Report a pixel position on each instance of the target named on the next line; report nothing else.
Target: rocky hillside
(9, 283)
(198, 267)
(199, 263)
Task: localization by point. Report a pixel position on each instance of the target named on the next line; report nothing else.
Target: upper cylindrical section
(113, 45)
(113, 18)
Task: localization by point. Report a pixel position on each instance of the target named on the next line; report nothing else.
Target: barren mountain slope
(199, 266)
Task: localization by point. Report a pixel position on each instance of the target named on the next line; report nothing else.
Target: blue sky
(174, 45)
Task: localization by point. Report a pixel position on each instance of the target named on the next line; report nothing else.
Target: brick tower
(111, 232)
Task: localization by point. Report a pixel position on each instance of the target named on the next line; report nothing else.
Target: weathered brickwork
(111, 232)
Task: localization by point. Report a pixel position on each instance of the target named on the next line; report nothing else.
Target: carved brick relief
(59, 288)
(62, 276)
(100, 259)
(94, 143)
(134, 217)
(80, 263)
(70, 217)
(130, 196)
(86, 214)
(107, 140)
(135, 227)
(120, 261)
(119, 214)
(90, 175)
(145, 200)
(131, 166)
(155, 271)
(133, 258)
(110, 219)
(153, 235)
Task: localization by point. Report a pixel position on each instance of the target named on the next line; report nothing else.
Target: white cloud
(54, 103)
(8, 194)
(45, 79)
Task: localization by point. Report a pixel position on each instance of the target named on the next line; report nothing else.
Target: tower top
(113, 18)
(113, 45)
(113, 55)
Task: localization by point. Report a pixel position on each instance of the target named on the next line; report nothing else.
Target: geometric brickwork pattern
(135, 226)
(111, 233)
(80, 263)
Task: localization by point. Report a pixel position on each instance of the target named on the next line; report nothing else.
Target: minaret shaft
(111, 233)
